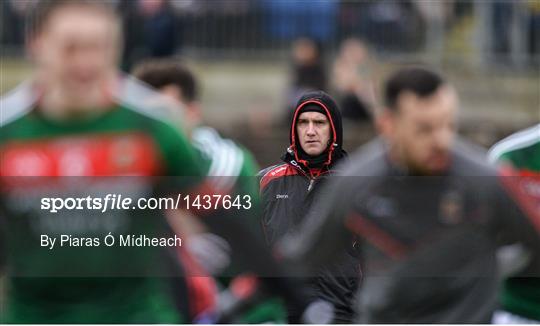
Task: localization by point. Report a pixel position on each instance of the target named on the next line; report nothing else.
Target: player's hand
(212, 252)
(318, 312)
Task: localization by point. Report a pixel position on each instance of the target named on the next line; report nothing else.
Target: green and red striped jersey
(134, 139)
(519, 156)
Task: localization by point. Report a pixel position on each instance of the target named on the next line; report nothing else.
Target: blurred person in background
(518, 156)
(350, 17)
(132, 31)
(308, 71)
(159, 27)
(78, 117)
(151, 30)
(391, 25)
(288, 190)
(502, 13)
(227, 162)
(533, 31)
(429, 211)
(352, 81)
(15, 14)
(435, 16)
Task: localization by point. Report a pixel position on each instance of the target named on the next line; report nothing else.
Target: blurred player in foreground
(229, 163)
(519, 158)
(78, 129)
(68, 122)
(431, 213)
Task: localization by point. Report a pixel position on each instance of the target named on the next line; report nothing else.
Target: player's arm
(250, 169)
(2, 265)
(3, 248)
(247, 186)
(232, 225)
(518, 220)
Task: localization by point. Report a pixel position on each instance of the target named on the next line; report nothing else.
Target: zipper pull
(311, 181)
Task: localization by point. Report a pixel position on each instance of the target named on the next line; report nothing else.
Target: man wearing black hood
(288, 189)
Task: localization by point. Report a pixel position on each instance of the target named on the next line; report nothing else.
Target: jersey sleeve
(517, 208)
(517, 218)
(2, 246)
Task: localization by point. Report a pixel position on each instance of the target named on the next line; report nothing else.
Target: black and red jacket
(288, 190)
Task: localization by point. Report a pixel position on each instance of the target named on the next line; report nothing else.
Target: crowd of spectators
(162, 27)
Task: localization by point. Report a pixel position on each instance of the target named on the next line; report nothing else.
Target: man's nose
(311, 129)
(443, 139)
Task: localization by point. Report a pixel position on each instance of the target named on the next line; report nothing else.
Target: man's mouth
(439, 161)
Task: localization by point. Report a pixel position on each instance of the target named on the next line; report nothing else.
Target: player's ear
(384, 122)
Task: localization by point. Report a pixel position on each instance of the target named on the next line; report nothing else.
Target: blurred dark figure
(151, 30)
(13, 13)
(533, 32)
(501, 24)
(308, 71)
(159, 27)
(309, 67)
(351, 15)
(5, 25)
(391, 25)
(132, 33)
(351, 80)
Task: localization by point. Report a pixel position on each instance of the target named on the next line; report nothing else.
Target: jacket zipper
(311, 181)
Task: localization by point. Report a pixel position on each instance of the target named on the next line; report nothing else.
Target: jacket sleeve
(518, 218)
(266, 194)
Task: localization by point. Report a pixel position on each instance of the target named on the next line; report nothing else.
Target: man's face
(76, 49)
(313, 130)
(421, 131)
